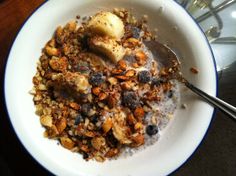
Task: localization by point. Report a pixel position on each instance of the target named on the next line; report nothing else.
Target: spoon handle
(223, 106)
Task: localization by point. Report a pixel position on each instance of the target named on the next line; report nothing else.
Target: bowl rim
(48, 169)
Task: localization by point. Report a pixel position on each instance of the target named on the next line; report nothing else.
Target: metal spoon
(168, 59)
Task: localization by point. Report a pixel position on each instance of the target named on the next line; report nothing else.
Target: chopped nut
(67, 142)
(46, 120)
(84, 148)
(51, 51)
(134, 41)
(112, 80)
(61, 124)
(102, 96)
(89, 134)
(75, 106)
(52, 43)
(116, 71)
(71, 26)
(154, 120)
(163, 72)
(138, 126)
(166, 86)
(127, 85)
(96, 90)
(107, 125)
(58, 64)
(139, 140)
(42, 87)
(111, 101)
(194, 70)
(98, 142)
(59, 31)
(112, 152)
(135, 65)
(130, 73)
(122, 77)
(141, 56)
(139, 113)
(99, 158)
(131, 120)
(122, 65)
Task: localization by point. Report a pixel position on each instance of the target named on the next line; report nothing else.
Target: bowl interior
(183, 134)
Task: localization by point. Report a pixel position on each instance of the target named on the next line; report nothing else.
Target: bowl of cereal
(90, 84)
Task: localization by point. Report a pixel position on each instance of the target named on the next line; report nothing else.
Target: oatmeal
(98, 89)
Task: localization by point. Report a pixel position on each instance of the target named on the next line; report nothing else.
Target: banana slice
(106, 24)
(107, 46)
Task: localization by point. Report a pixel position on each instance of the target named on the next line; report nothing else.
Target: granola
(98, 94)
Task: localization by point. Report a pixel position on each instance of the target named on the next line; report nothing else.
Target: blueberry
(85, 109)
(130, 99)
(135, 32)
(96, 79)
(78, 119)
(151, 130)
(144, 76)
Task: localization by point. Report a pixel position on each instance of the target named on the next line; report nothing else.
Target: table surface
(215, 156)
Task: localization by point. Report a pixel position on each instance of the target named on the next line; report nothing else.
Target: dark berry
(85, 109)
(130, 99)
(78, 119)
(96, 79)
(151, 130)
(144, 76)
(135, 32)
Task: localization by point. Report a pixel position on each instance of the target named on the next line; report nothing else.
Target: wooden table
(215, 156)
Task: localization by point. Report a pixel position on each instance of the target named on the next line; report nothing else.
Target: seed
(151, 130)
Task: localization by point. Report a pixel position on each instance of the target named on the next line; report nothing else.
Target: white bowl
(180, 138)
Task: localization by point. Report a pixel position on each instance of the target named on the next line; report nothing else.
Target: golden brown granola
(91, 105)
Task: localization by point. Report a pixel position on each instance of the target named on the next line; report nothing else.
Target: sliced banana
(107, 46)
(106, 24)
